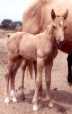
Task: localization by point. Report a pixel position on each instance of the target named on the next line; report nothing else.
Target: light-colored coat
(43, 18)
(40, 49)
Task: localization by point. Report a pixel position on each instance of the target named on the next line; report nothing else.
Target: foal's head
(58, 25)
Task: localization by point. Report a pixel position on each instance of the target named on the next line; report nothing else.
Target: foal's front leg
(40, 88)
(48, 68)
(38, 83)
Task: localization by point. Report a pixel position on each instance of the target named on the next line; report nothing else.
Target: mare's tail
(30, 69)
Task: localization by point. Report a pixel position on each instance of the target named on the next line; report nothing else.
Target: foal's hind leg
(8, 77)
(23, 66)
(16, 65)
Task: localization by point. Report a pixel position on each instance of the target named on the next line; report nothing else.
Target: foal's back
(30, 41)
(32, 45)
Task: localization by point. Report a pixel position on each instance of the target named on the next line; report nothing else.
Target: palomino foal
(40, 49)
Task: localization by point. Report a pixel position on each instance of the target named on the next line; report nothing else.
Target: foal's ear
(53, 15)
(65, 14)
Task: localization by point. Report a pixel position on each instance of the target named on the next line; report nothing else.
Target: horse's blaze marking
(61, 23)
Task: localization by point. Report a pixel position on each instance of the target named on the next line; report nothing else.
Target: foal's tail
(30, 69)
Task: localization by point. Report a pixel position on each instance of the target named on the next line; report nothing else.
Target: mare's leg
(69, 61)
(48, 68)
(38, 83)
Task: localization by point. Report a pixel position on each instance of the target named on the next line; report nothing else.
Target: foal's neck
(50, 33)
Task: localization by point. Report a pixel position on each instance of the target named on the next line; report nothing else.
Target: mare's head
(58, 25)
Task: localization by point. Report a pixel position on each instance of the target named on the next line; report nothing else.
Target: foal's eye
(54, 27)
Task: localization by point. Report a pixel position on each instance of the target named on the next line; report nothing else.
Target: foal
(40, 49)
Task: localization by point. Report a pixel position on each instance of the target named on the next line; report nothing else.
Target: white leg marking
(14, 99)
(35, 107)
(50, 104)
(12, 93)
(7, 100)
(13, 96)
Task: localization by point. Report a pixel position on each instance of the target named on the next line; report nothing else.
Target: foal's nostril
(61, 38)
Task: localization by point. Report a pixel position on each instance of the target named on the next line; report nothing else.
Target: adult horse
(40, 48)
(37, 17)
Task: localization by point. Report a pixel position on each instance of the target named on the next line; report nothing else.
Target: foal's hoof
(47, 98)
(7, 100)
(14, 100)
(50, 104)
(21, 96)
(35, 107)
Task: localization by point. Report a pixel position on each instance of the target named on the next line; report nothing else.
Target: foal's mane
(50, 29)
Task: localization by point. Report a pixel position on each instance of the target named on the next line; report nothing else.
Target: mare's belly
(66, 47)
